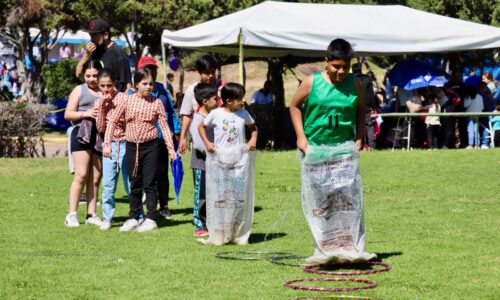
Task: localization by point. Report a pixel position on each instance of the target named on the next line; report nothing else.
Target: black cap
(98, 26)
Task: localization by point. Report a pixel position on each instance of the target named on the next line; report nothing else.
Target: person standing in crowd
(102, 48)
(206, 95)
(81, 111)
(495, 122)
(141, 112)
(490, 83)
(473, 103)
(113, 161)
(455, 83)
(489, 104)
(174, 125)
(262, 105)
(170, 87)
(64, 51)
(371, 105)
(432, 122)
(206, 67)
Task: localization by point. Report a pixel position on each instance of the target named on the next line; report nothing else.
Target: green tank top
(330, 111)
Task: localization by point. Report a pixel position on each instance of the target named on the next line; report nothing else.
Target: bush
(21, 127)
(59, 78)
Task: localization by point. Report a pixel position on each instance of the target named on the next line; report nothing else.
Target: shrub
(59, 78)
(21, 127)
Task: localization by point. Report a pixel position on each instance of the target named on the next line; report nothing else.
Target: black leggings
(145, 179)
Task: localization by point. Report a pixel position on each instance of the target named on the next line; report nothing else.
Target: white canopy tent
(272, 29)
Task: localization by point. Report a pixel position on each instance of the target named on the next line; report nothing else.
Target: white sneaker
(484, 147)
(71, 220)
(94, 220)
(105, 225)
(129, 225)
(147, 225)
(469, 147)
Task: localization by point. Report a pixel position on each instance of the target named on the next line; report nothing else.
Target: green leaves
(60, 78)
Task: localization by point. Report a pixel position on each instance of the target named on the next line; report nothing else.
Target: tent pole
(240, 63)
(163, 57)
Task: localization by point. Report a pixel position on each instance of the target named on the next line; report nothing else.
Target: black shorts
(77, 146)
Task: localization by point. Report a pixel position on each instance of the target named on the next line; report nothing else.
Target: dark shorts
(77, 146)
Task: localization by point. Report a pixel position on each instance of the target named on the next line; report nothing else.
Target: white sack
(332, 201)
(230, 195)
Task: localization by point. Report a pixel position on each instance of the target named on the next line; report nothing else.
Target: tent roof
(273, 29)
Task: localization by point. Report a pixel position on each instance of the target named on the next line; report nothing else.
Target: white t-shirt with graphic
(229, 127)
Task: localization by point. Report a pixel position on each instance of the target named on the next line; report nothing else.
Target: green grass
(433, 215)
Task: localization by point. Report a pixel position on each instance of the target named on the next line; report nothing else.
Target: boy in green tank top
(328, 114)
(334, 105)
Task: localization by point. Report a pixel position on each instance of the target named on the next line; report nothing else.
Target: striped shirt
(141, 115)
(106, 106)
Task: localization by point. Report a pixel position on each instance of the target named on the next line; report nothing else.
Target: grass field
(433, 215)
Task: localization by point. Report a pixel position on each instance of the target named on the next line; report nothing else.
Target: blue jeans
(472, 131)
(110, 179)
(485, 132)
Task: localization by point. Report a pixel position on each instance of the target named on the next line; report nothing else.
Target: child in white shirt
(229, 169)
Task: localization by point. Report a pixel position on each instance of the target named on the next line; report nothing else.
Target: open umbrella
(413, 74)
(177, 172)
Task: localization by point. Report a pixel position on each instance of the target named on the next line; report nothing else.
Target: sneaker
(469, 147)
(71, 220)
(94, 220)
(147, 225)
(129, 225)
(485, 147)
(200, 232)
(105, 225)
(166, 213)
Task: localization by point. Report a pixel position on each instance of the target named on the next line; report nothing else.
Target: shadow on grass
(384, 255)
(125, 200)
(263, 237)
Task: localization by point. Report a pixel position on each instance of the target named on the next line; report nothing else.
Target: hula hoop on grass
(370, 284)
(278, 261)
(337, 297)
(243, 254)
(312, 268)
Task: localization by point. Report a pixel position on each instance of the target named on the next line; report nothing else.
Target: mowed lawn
(433, 215)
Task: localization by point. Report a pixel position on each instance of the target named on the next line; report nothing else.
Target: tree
(48, 17)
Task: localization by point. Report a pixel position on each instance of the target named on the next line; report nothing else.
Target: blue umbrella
(413, 74)
(177, 173)
(473, 80)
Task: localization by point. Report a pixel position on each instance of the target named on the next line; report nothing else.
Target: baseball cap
(146, 61)
(98, 26)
